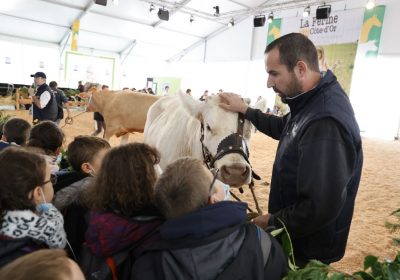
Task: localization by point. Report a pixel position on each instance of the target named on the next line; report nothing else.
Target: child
(28, 221)
(48, 137)
(43, 264)
(15, 132)
(121, 199)
(85, 155)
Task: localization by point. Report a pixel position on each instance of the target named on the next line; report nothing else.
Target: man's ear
(301, 69)
(86, 168)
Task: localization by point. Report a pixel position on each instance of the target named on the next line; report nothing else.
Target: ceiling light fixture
(307, 11)
(270, 17)
(191, 18)
(370, 4)
(216, 8)
(231, 22)
(152, 9)
(163, 14)
(259, 21)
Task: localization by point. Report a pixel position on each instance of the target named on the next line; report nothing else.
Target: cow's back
(128, 111)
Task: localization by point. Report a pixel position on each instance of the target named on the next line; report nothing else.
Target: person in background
(319, 158)
(15, 132)
(43, 264)
(204, 96)
(61, 99)
(166, 90)
(99, 119)
(189, 92)
(44, 104)
(81, 87)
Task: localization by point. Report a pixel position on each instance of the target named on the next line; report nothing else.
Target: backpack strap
(265, 243)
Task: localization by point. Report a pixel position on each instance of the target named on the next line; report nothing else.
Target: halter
(232, 144)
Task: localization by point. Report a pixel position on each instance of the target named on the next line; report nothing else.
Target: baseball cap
(39, 74)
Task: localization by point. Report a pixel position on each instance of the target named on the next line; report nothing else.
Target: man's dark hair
(294, 47)
(53, 84)
(84, 149)
(16, 130)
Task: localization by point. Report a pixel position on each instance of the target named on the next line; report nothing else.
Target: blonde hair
(182, 188)
(48, 264)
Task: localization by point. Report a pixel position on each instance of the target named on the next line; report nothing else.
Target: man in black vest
(318, 162)
(44, 103)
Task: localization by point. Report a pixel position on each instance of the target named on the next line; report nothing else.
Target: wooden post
(17, 95)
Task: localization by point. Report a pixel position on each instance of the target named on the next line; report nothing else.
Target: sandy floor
(378, 196)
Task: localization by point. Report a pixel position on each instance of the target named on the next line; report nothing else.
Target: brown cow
(123, 111)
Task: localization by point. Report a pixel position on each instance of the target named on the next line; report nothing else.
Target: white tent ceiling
(129, 27)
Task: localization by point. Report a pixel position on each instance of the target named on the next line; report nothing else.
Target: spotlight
(152, 9)
(191, 18)
(270, 17)
(163, 14)
(259, 21)
(231, 22)
(323, 12)
(307, 11)
(101, 2)
(216, 8)
(370, 4)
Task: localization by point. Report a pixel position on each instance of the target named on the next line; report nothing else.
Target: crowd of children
(113, 214)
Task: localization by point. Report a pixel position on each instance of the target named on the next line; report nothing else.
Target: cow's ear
(192, 106)
(261, 105)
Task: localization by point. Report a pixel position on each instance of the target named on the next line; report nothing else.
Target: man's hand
(262, 221)
(232, 102)
(31, 91)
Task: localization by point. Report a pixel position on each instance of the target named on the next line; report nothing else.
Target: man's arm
(269, 125)
(327, 158)
(42, 100)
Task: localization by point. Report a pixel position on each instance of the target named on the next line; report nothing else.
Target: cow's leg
(124, 139)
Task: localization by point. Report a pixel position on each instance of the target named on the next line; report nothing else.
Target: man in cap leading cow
(44, 104)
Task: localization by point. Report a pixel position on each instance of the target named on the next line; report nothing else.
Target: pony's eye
(208, 127)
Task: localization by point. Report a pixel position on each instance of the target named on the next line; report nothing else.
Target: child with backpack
(85, 154)
(28, 221)
(123, 219)
(205, 236)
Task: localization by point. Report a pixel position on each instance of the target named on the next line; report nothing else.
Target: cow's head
(219, 124)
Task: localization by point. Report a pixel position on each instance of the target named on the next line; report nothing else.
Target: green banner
(371, 30)
(274, 30)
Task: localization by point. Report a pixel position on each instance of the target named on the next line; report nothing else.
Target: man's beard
(293, 89)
